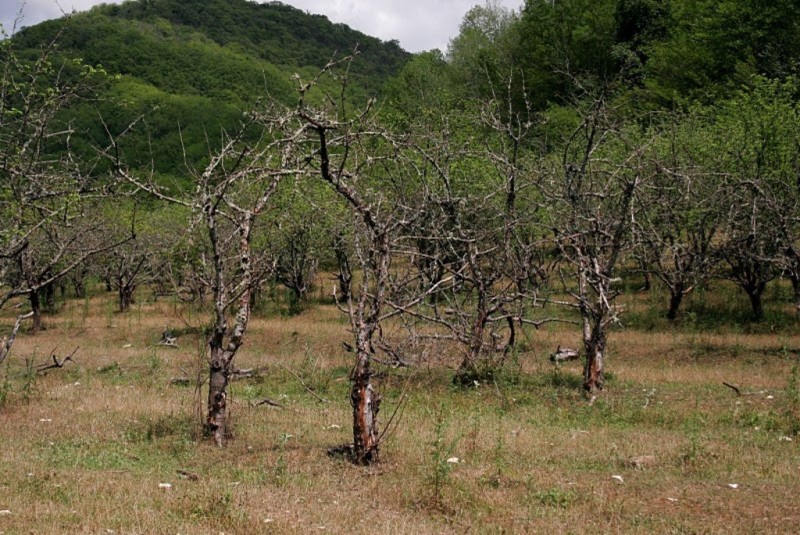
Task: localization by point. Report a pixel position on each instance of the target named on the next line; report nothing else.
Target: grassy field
(667, 448)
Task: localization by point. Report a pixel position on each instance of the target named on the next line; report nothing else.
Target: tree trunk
(366, 404)
(796, 287)
(217, 420)
(79, 286)
(467, 373)
(756, 304)
(595, 345)
(36, 310)
(345, 274)
(48, 297)
(648, 285)
(675, 299)
(125, 297)
(255, 297)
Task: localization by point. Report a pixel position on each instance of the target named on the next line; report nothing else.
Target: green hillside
(198, 64)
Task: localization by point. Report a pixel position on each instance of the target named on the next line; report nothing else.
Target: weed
(220, 508)
(695, 456)
(441, 458)
(170, 425)
(559, 379)
(471, 441)
(84, 310)
(792, 406)
(89, 454)
(555, 497)
(5, 388)
(28, 387)
(313, 373)
(498, 453)
(154, 364)
(280, 471)
(46, 487)
(110, 369)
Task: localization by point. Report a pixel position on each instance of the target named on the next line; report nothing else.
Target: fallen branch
(564, 354)
(733, 387)
(245, 373)
(739, 391)
(168, 338)
(180, 381)
(267, 401)
(56, 363)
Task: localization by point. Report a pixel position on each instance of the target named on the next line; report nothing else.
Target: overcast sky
(417, 24)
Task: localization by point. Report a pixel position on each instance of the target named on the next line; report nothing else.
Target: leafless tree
(752, 246)
(482, 228)
(758, 135)
(593, 191)
(144, 260)
(367, 166)
(295, 250)
(684, 207)
(49, 195)
(231, 194)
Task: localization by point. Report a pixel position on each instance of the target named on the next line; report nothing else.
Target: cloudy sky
(417, 24)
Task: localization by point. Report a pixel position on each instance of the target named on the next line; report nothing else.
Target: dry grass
(86, 447)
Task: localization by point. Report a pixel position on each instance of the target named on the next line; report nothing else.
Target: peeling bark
(593, 376)
(366, 404)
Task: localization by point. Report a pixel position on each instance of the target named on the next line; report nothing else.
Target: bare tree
(145, 259)
(367, 166)
(594, 192)
(295, 248)
(684, 207)
(482, 229)
(49, 195)
(756, 134)
(751, 248)
(231, 194)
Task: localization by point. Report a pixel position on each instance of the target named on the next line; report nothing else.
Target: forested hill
(199, 63)
(273, 31)
(216, 47)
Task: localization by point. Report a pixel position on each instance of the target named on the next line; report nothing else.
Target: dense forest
(550, 161)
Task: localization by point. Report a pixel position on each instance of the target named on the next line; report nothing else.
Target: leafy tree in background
(481, 55)
(565, 43)
(423, 87)
(712, 47)
(756, 134)
(194, 67)
(678, 232)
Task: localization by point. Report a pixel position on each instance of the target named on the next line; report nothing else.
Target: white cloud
(35, 11)
(417, 24)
